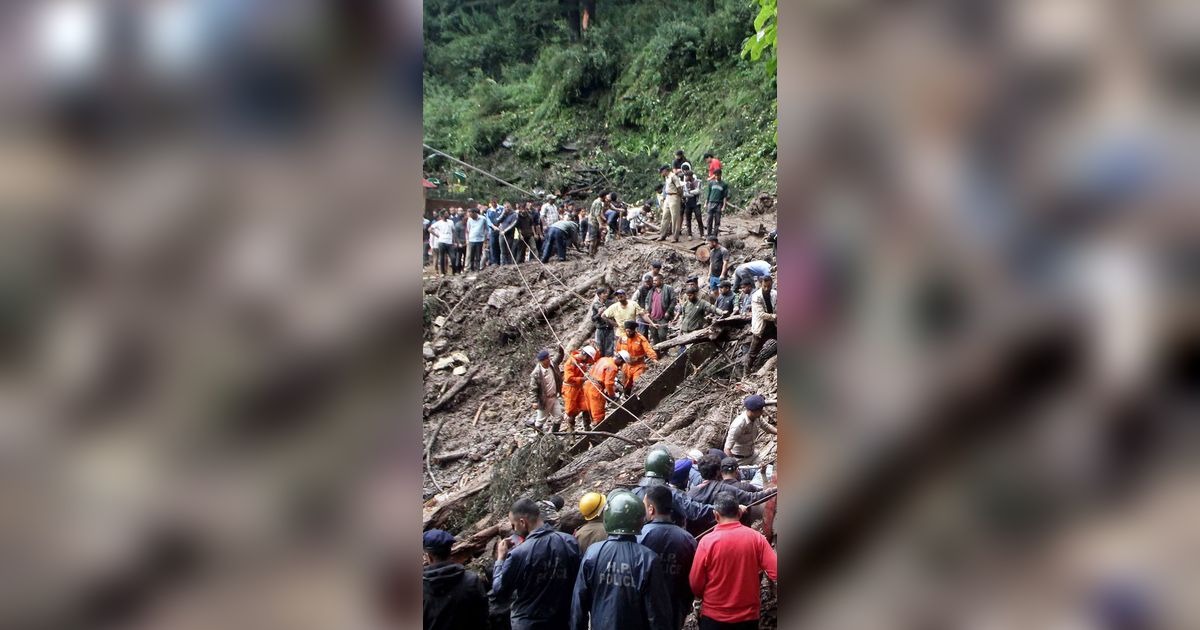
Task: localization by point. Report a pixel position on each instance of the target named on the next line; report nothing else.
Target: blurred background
(210, 270)
(993, 402)
(210, 216)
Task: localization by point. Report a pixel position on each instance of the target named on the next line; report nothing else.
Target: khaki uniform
(673, 207)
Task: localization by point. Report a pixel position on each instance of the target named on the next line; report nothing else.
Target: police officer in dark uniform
(659, 466)
(539, 573)
(621, 583)
(675, 548)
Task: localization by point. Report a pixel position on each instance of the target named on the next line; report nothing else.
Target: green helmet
(624, 513)
(659, 464)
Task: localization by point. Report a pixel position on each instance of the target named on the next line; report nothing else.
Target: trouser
(658, 332)
(574, 402)
(549, 414)
(756, 344)
(614, 228)
(595, 402)
(714, 282)
(456, 258)
(555, 242)
(494, 248)
(425, 253)
(710, 624)
(518, 246)
(593, 238)
(672, 218)
(443, 257)
(474, 253)
(606, 339)
(506, 250)
(632, 371)
(530, 249)
(714, 219)
(692, 209)
(743, 277)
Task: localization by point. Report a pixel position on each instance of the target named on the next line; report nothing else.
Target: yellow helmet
(591, 505)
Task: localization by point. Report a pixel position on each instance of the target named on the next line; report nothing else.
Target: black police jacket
(676, 549)
(539, 574)
(620, 586)
(453, 598)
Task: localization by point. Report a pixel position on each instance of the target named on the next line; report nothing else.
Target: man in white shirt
(443, 231)
(672, 221)
(549, 213)
(762, 319)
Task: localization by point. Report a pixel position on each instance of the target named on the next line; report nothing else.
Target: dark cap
(656, 264)
(619, 292)
(690, 290)
(679, 153)
(543, 355)
(695, 279)
(664, 167)
(630, 324)
(755, 402)
(729, 464)
(438, 541)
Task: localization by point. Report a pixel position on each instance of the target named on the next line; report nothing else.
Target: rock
(460, 358)
(443, 363)
(504, 297)
(439, 321)
(508, 142)
(460, 370)
(427, 350)
(440, 344)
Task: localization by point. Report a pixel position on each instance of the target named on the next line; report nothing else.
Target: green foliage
(764, 40)
(625, 94)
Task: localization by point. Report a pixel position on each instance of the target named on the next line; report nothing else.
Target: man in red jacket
(725, 572)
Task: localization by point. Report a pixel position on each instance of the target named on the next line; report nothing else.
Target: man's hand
(742, 510)
(502, 549)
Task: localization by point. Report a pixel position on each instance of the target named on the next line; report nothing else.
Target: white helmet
(624, 354)
(590, 351)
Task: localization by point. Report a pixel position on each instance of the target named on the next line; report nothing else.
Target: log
(458, 387)
(714, 332)
(440, 514)
(454, 456)
(475, 543)
(604, 433)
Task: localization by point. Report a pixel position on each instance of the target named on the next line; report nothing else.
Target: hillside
(513, 88)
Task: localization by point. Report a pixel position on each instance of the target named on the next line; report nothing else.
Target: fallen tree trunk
(458, 387)
(714, 332)
(454, 456)
(604, 433)
(473, 545)
(551, 306)
(440, 514)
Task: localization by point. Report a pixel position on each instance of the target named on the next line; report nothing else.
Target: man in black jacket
(621, 583)
(453, 597)
(606, 338)
(706, 492)
(539, 574)
(675, 548)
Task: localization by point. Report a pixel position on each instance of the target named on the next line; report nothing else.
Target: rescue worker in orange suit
(603, 376)
(573, 380)
(640, 351)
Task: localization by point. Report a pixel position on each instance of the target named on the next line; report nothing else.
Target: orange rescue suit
(604, 373)
(573, 380)
(639, 350)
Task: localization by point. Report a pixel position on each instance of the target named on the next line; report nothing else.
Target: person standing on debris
(725, 572)
(659, 465)
(621, 583)
(623, 310)
(453, 597)
(638, 351)
(524, 235)
(612, 218)
(603, 382)
(605, 335)
(443, 229)
(718, 262)
(642, 297)
(716, 199)
(539, 574)
(726, 300)
(458, 255)
(591, 505)
(762, 320)
(691, 202)
(672, 221)
(476, 233)
(680, 160)
(493, 216)
(595, 223)
(508, 234)
(675, 548)
(731, 475)
(714, 165)
(573, 370)
(557, 237)
(549, 213)
(748, 273)
(660, 306)
(545, 381)
(743, 431)
(692, 312)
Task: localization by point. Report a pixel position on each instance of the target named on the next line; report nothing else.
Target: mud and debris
(487, 326)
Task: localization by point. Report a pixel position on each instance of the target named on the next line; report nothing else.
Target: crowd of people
(476, 235)
(642, 557)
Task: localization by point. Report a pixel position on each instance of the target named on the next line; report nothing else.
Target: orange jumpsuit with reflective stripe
(639, 350)
(604, 372)
(573, 380)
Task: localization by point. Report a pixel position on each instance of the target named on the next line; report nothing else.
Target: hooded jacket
(541, 572)
(453, 598)
(707, 493)
(683, 507)
(620, 585)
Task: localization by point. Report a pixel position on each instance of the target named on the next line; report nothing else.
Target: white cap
(695, 454)
(624, 355)
(590, 351)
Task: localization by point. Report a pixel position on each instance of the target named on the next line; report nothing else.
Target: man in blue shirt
(476, 234)
(493, 215)
(539, 574)
(675, 548)
(749, 273)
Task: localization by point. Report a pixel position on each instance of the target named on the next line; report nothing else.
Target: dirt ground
(486, 326)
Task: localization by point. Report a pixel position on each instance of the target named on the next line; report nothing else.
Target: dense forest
(562, 94)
